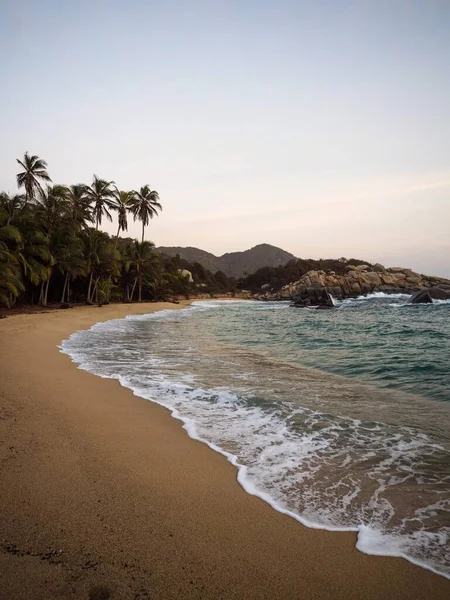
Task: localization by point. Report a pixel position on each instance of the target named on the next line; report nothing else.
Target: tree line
(277, 277)
(53, 250)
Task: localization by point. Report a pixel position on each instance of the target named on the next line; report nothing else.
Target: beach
(104, 493)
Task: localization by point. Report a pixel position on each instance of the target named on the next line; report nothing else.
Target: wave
(278, 452)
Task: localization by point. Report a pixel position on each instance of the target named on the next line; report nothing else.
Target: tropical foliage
(277, 277)
(53, 250)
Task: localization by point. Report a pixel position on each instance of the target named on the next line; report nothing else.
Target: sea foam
(324, 470)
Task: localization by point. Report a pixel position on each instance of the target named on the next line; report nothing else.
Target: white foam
(273, 459)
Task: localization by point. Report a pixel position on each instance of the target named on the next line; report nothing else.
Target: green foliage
(277, 277)
(51, 252)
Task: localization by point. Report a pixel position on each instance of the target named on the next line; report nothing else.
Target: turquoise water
(378, 338)
(339, 418)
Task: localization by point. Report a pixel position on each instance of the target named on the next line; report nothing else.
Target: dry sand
(127, 502)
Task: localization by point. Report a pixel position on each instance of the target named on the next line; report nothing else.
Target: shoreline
(75, 464)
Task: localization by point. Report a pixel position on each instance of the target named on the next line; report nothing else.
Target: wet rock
(421, 297)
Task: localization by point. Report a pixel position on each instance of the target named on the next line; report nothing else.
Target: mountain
(233, 264)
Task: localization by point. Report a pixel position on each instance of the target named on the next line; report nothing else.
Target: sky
(320, 126)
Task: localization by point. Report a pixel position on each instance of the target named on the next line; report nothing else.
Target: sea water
(339, 418)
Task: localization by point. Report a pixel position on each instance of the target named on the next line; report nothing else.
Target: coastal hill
(233, 264)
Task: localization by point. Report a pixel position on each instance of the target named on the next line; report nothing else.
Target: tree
(122, 203)
(35, 170)
(142, 258)
(11, 283)
(97, 256)
(145, 206)
(12, 206)
(52, 205)
(79, 206)
(100, 196)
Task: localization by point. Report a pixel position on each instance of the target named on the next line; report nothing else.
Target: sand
(103, 494)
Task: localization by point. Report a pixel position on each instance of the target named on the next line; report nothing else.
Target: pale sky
(320, 126)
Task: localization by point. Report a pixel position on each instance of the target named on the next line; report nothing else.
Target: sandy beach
(104, 495)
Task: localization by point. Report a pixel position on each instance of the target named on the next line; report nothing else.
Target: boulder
(187, 274)
(438, 293)
(421, 297)
(372, 278)
(362, 268)
(379, 267)
(314, 298)
(426, 296)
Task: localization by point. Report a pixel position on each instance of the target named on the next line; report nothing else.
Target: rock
(372, 278)
(318, 298)
(186, 273)
(421, 297)
(438, 293)
(379, 267)
(316, 287)
(65, 305)
(427, 295)
(413, 279)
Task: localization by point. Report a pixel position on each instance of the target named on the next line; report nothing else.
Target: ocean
(339, 418)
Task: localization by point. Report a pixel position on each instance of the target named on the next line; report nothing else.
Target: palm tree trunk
(117, 236)
(65, 286)
(41, 294)
(90, 285)
(143, 227)
(68, 289)
(46, 288)
(134, 286)
(140, 287)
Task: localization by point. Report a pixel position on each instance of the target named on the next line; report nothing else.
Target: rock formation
(314, 288)
(427, 295)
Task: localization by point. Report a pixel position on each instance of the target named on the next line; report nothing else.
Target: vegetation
(277, 277)
(233, 264)
(53, 250)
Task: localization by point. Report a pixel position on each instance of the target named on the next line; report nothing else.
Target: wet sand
(103, 494)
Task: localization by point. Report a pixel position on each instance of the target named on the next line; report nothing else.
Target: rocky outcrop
(426, 296)
(318, 298)
(421, 297)
(315, 286)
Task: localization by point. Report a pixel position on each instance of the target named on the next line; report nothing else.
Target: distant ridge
(233, 264)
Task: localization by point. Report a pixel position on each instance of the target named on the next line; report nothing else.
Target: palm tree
(100, 196)
(79, 206)
(35, 169)
(67, 250)
(13, 206)
(145, 206)
(10, 276)
(122, 204)
(142, 258)
(51, 206)
(96, 254)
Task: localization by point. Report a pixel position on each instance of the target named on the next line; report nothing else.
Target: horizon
(319, 129)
